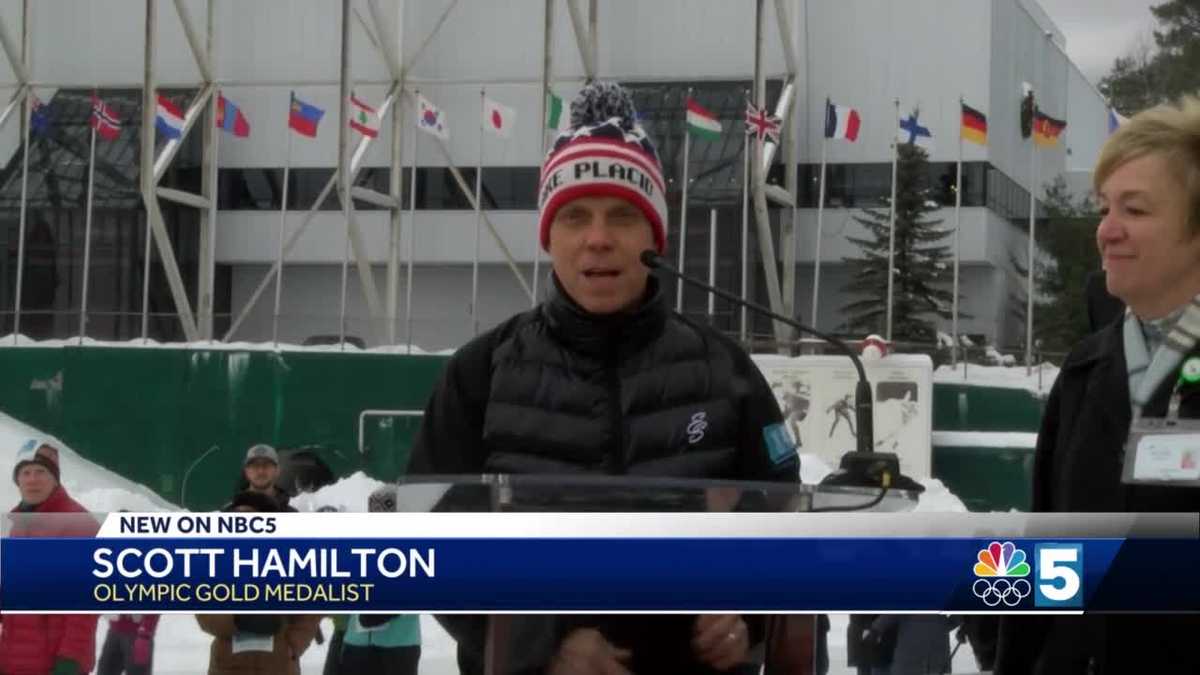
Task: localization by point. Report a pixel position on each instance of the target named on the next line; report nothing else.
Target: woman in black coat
(1148, 184)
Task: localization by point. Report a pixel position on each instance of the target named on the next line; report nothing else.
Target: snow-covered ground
(23, 341)
(182, 649)
(1038, 380)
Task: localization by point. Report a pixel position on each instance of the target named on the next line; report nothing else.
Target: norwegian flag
(762, 124)
(104, 120)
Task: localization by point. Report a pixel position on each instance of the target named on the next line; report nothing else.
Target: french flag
(841, 122)
(169, 120)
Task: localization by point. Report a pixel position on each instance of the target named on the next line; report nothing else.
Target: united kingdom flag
(761, 124)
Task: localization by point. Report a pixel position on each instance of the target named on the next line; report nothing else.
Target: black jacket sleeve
(760, 412)
(450, 439)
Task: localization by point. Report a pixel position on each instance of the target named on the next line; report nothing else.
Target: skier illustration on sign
(795, 407)
(841, 410)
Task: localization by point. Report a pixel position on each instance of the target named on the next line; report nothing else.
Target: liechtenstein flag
(304, 117)
(230, 118)
(169, 120)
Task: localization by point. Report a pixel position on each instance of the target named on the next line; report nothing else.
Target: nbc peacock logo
(1001, 569)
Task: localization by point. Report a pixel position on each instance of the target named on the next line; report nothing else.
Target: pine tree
(922, 274)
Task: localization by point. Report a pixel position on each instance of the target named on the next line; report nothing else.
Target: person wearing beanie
(260, 473)
(52, 644)
(602, 377)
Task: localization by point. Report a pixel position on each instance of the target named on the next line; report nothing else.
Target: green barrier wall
(156, 415)
(151, 414)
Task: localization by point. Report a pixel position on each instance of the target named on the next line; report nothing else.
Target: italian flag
(701, 123)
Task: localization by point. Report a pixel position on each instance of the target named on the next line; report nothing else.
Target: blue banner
(618, 574)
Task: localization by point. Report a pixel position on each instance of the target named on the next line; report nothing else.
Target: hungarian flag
(702, 123)
(974, 125)
(363, 118)
(104, 120)
(1046, 129)
(841, 122)
(498, 118)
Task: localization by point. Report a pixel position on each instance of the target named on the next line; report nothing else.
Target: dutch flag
(169, 120)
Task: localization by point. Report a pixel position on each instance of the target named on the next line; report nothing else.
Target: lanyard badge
(1166, 451)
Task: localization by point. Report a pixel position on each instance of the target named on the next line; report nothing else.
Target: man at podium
(602, 377)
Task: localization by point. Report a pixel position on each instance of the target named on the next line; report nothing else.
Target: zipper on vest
(616, 452)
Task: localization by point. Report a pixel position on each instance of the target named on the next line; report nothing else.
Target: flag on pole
(230, 118)
(701, 123)
(761, 124)
(1115, 120)
(363, 118)
(1027, 107)
(498, 118)
(168, 119)
(431, 120)
(39, 117)
(974, 125)
(555, 119)
(304, 117)
(104, 120)
(913, 133)
(1047, 129)
(841, 122)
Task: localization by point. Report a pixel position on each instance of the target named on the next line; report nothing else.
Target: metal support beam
(14, 54)
(200, 54)
(395, 183)
(783, 108)
(388, 44)
(785, 37)
(470, 195)
(586, 53)
(14, 103)
(788, 219)
(766, 242)
(411, 61)
(148, 182)
(377, 198)
(182, 197)
(593, 34)
(205, 254)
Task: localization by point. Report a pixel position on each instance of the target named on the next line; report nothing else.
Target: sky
(1099, 31)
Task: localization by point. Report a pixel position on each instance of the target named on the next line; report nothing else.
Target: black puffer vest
(644, 393)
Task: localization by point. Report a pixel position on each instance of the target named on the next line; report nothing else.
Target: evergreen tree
(1149, 76)
(923, 265)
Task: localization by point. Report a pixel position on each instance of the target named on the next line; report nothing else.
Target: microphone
(863, 399)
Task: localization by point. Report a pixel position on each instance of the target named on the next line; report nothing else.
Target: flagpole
(87, 237)
(820, 224)
(146, 287)
(287, 168)
(957, 225)
(712, 265)
(412, 228)
(478, 220)
(687, 142)
(1032, 239)
(744, 331)
(29, 99)
(892, 228)
(345, 266)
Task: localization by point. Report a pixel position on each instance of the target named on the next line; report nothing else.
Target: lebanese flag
(841, 122)
(498, 118)
(363, 118)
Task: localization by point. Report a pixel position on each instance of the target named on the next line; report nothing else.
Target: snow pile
(217, 345)
(1038, 380)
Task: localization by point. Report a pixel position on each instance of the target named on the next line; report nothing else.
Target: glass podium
(512, 644)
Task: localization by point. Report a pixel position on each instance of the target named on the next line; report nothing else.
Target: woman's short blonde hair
(1170, 130)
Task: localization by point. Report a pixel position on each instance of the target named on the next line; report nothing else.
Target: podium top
(617, 494)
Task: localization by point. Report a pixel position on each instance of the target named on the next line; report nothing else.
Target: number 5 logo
(1060, 575)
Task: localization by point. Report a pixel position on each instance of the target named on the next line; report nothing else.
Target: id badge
(1163, 452)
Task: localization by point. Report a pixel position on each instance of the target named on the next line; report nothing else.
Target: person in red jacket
(50, 644)
(129, 647)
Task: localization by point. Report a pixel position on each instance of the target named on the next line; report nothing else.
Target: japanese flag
(498, 118)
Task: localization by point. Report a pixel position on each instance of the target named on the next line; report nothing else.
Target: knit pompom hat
(604, 153)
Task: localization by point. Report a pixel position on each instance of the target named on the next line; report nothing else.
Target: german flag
(974, 125)
(1046, 129)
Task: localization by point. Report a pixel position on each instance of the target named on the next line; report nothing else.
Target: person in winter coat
(129, 646)
(51, 644)
(260, 472)
(1148, 185)
(382, 643)
(257, 644)
(919, 643)
(602, 377)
